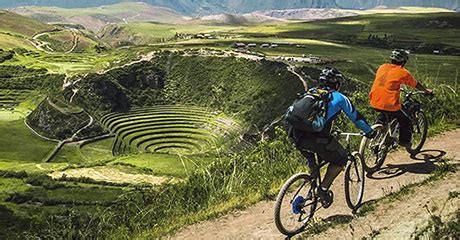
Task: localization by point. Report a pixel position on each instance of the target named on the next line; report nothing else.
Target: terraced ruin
(11, 98)
(169, 129)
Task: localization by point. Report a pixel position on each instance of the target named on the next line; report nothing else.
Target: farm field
(124, 121)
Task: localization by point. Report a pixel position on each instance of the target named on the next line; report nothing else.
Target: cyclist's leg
(328, 148)
(334, 153)
(382, 117)
(405, 128)
(305, 144)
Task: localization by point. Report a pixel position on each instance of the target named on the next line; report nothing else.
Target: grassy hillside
(15, 30)
(21, 32)
(157, 172)
(95, 19)
(256, 92)
(16, 24)
(412, 28)
(142, 33)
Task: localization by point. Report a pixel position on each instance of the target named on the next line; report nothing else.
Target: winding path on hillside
(392, 220)
(41, 45)
(75, 43)
(291, 69)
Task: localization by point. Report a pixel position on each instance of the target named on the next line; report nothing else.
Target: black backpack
(308, 112)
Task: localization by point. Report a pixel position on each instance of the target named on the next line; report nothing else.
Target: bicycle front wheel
(354, 181)
(374, 151)
(419, 132)
(295, 204)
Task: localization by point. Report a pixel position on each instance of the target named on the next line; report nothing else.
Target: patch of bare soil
(401, 219)
(110, 174)
(396, 220)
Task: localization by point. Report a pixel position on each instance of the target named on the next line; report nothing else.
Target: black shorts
(324, 144)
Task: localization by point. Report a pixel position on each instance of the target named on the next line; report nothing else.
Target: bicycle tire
(354, 175)
(372, 161)
(420, 118)
(281, 198)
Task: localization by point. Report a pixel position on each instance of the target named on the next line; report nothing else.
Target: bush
(13, 174)
(6, 55)
(44, 180)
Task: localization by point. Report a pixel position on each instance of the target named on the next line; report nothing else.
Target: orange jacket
(385, 92)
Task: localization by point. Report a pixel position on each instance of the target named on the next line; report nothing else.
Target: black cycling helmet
(399, 55)
(331, 77)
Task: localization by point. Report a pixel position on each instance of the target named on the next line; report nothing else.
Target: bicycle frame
(392, 125)
(318, 164)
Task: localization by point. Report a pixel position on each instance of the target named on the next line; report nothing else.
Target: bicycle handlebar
(336, 133)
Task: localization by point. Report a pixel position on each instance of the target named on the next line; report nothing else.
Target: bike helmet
(399, 55)
(331, 77)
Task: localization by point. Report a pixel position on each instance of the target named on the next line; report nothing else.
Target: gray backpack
(308, 112)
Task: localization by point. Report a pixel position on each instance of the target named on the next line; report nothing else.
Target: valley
(134, 120)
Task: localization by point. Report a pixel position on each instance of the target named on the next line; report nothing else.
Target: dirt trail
(256, 222)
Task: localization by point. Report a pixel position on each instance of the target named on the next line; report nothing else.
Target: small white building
(281, 43)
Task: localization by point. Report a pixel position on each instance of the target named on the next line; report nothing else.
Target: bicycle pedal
(297, 205)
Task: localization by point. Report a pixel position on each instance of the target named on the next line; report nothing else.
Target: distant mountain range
(208, 7)
(96, 18)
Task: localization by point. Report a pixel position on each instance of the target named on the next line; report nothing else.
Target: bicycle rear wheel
(374, 151)
(419, 132)
(354, 181)
(295, 204)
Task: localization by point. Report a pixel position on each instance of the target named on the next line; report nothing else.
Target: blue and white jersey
(338, 103)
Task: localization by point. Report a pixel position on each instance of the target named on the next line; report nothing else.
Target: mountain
(240, 19)
(329, 13)
(98, 17)
(307, 13)
(208, 7)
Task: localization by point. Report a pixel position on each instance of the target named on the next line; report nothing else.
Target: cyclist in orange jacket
(385, 92)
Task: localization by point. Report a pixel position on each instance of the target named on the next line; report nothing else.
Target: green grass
(84, 194)
(252, 92)
(402, 27)
(10, 42)
(22, 26)
(75, 63)
(93, 152)
(8, 185)
(166, 164)
(18, 144)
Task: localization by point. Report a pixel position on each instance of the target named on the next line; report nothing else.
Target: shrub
(44, 180)
(13, 174)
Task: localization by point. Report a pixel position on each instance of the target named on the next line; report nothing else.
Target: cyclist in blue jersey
(321, 141)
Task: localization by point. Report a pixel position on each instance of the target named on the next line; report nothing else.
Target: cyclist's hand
(371, 135)
(336, 133)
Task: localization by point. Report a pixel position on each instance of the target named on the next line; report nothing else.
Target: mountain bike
(297, 200)
(375, 150)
